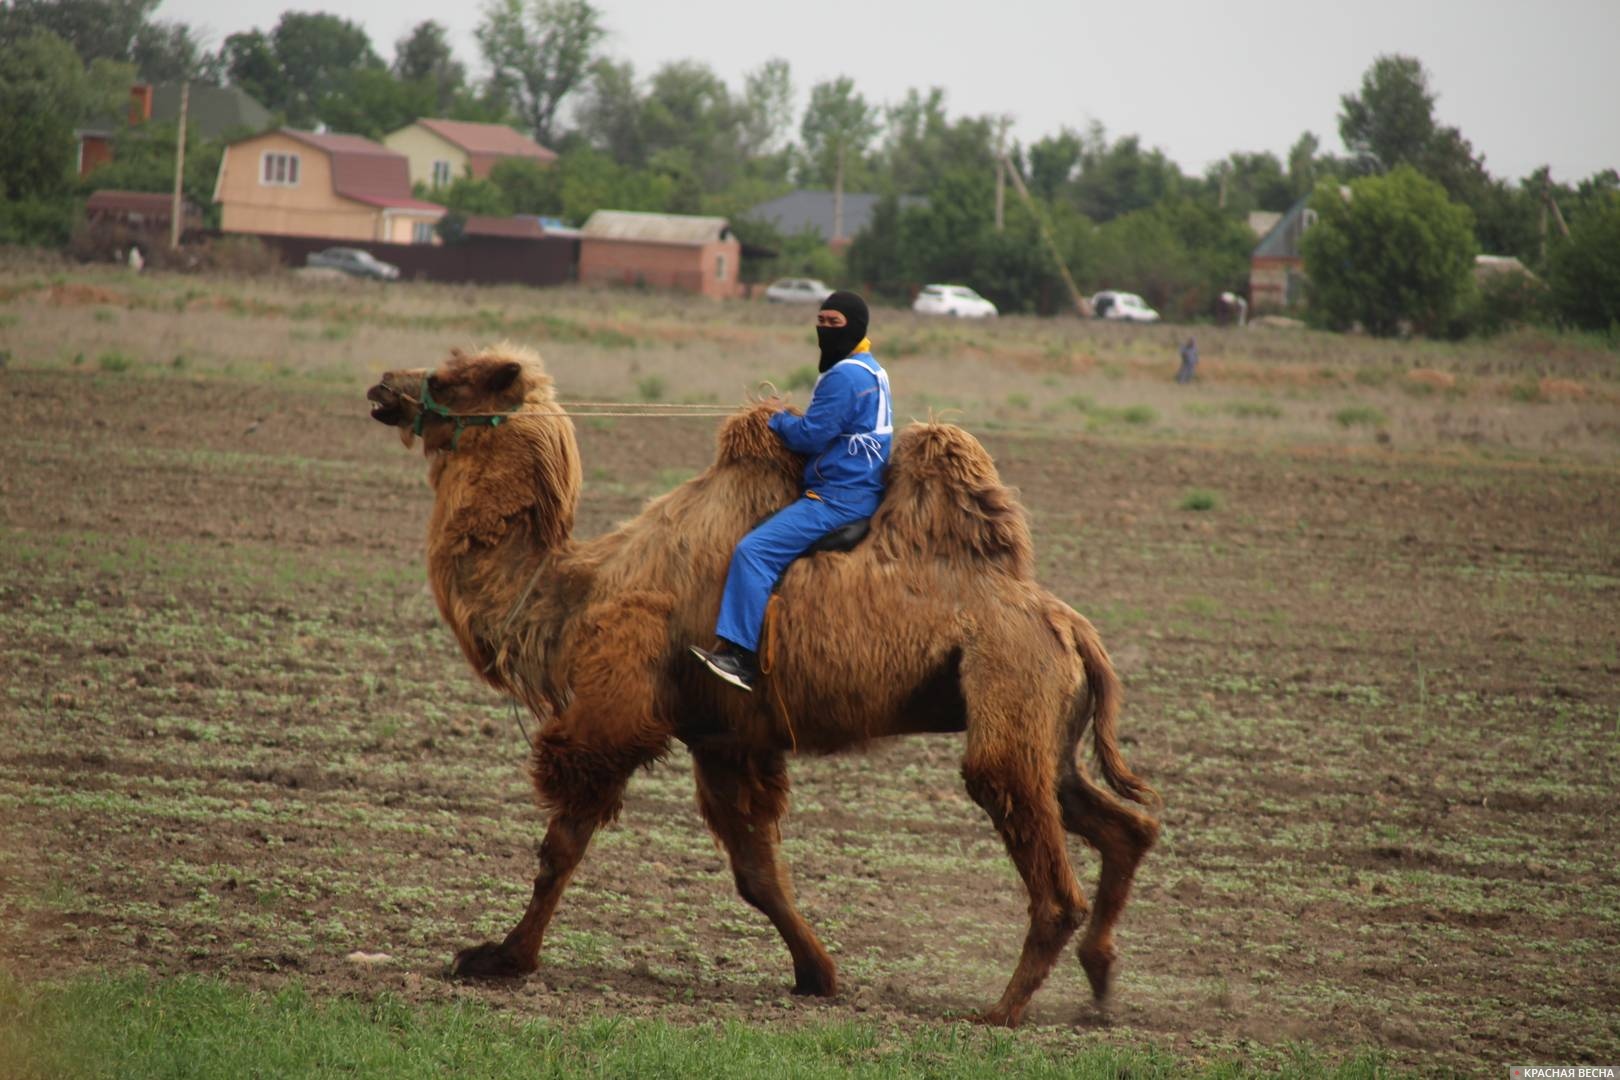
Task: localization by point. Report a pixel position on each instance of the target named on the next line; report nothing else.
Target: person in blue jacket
(846, 433)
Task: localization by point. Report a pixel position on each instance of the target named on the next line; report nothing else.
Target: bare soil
(1377, 688)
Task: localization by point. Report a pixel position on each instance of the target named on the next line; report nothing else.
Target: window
(441, 174)
(719, 268)
(422, 232)
(280, 170)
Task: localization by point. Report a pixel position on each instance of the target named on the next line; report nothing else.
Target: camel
(592, 637)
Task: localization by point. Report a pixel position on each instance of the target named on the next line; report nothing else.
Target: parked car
(797, 291)
(1124, 306)
(956, 300)
(353, 261)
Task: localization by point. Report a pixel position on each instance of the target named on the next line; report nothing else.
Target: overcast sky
(1528, 84)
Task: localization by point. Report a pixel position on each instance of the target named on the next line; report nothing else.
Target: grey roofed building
(212, 111)
(793, 213)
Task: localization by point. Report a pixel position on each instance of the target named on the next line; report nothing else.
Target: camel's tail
(1098, 706)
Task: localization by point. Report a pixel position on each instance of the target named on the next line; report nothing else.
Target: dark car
(354, 261)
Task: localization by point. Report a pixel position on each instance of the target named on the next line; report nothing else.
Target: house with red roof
(443, 151)
(303, 183)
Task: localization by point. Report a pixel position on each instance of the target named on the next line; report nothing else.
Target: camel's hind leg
(1122, 835)
(742, 797)
(1013, 781)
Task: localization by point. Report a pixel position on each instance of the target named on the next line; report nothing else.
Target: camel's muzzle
(387, 407)
(394, 398)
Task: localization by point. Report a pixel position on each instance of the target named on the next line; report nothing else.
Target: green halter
(428, 405)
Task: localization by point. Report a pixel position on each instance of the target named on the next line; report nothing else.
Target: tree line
(1395, 254)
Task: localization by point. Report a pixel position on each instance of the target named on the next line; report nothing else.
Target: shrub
(1199, 500)
(37, 222)
(113, 361)
(246, 255)
(1397, 251)
(651, 388)
(1359, 416)
(1583, 271)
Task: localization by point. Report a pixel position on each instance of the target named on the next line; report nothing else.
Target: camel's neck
(499, 564)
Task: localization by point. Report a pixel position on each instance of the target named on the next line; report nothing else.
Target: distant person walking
(1189, 361)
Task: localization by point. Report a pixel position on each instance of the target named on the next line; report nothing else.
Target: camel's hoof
(815, 984)
(999, 1017)
(487, 961)
(1099, 968)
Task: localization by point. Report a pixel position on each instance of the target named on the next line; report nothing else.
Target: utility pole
(838, 196)
(177, 208)
(1001, 173)
(1082, 306)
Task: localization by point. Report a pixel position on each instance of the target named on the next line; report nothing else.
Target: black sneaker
(737, 666)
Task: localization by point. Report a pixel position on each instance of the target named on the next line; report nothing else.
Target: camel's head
(467, 390)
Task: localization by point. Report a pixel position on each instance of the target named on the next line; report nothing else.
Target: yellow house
(298, 183)
(443, 151)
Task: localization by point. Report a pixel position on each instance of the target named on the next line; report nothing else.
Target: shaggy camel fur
(592, 636)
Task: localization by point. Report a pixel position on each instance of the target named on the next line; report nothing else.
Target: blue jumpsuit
(846, 431)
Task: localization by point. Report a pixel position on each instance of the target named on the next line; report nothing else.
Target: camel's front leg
(583, 760)
(567, 836)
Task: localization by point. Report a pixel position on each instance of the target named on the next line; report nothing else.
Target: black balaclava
(837, 342)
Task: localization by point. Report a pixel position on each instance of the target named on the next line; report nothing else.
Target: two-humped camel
(933, 624)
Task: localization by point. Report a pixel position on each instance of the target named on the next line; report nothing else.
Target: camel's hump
(946, 498)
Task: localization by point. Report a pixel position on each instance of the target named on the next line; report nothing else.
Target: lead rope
(767, 665)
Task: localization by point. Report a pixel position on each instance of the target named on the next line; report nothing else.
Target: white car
(797, 291)
(1124, 306)
(958, 300)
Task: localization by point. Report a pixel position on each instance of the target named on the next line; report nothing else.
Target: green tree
(94, 29)
(1583, 271)
(370, 101)
(688, 121)
(766, 108)
(1397, 250)
(1116, 178)
(1391, 121)
(529, 188)
(424, 57)
(609, 112)
(250, 64)
(922, 143)
(471, 195)
(317, 54)
(1054, 161)
(168, 52)
(306, 63)
(837, 129)
(539, 52)
(45, 93)
(1245, 182)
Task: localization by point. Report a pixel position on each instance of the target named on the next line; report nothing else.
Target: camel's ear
(502, 376)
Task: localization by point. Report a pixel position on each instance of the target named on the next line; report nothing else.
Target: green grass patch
(133, 1027)
(1255, 410)
(1359, 416)
(1199, 500)
(114, 361)
(652, 388)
